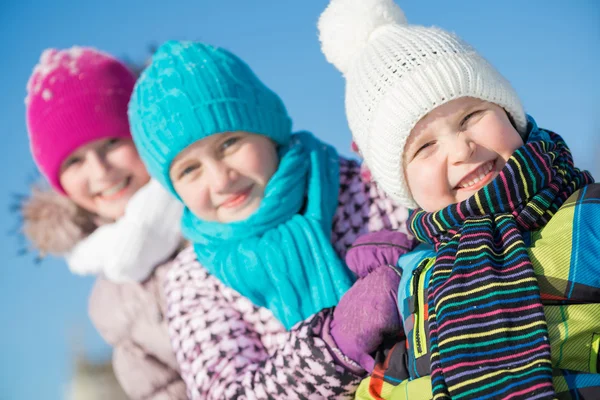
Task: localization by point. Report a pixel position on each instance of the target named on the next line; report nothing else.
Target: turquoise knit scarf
(281, 257)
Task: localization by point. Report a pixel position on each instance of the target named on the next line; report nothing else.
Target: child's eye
(422, 148)
(112, 142)
(229, 142)
(467, 118)
(109, 145)
(72, 161)
(188, 170)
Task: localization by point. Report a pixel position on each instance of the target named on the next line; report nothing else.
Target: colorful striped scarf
(487, 328)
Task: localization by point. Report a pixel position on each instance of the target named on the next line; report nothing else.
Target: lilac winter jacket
(228, 348)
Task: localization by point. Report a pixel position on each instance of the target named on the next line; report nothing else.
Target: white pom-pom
(346, 25)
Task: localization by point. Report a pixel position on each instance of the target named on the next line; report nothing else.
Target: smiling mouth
(237, 199)
(478, 178)
(115, 191)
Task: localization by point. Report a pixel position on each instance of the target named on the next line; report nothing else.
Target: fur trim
(52, 223)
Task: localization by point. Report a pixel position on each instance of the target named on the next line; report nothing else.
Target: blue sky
(548, 49)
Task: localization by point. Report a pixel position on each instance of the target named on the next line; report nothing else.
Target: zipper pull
(413, 301)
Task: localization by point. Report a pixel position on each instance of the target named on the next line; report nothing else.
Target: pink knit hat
(75, 96)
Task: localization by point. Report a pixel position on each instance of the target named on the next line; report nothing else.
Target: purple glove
(374, 249)
(366, 314)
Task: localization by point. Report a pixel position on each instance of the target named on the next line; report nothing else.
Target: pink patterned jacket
(227, 348)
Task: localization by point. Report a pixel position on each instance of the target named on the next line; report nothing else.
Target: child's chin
(463, 194)
(113, 212)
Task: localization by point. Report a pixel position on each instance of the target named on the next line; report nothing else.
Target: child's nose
(220, 175)
(460, 149)
(97, 165)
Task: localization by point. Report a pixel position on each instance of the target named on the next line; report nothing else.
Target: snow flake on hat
(46, 94)
(50, 61)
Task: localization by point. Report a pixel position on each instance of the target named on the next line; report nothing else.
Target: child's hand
(366, 314)
(375, 249)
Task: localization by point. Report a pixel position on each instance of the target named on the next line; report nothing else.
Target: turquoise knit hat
(191, 91)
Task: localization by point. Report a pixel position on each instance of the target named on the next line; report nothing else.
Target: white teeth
(115, 189)
(481, 173)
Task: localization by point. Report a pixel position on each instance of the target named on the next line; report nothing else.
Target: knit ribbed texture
(74, 97)
(401, 73)
(488, 334)
(191, 91)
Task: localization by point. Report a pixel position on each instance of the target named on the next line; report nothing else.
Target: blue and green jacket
(566, 258)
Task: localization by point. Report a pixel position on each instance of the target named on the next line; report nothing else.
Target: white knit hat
(397, 73)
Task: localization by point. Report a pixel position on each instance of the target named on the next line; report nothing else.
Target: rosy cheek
(250, 162)
(424, 192)
(268, 172)
(142, 173)
(426, 180)
(258, 159)
(414, 177)
(125, 157)
(73, 185)
(268, 165)
(197, 198)
(77, 190)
